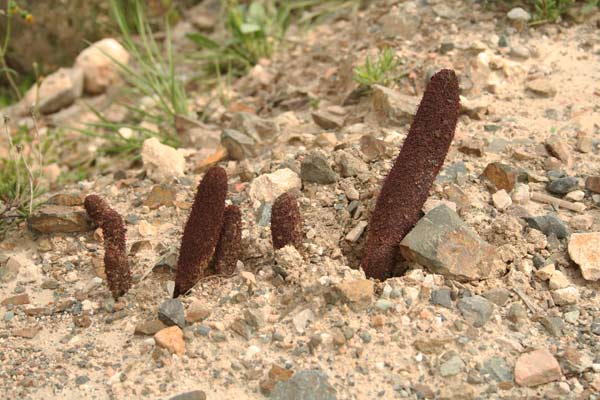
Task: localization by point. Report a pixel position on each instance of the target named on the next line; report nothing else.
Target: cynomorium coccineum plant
(286, 222)
(116, 264)
(202, 230)
(229, 246)
(407, 186)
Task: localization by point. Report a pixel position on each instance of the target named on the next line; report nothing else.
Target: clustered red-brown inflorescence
(230, 243)
(286, 222)
(202, 230)
(116, 265)
(407, 186)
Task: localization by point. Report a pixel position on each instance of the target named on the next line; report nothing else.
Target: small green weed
(549, 10)
(382, 71)
(21, 172)
(152, 76)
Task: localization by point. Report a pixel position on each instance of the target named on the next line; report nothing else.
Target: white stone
(518, 14)
(546, 272)
(57, 90)
(558, 280)
(576, 195)
(501, 200)
(268, 187)
(584, 251)
(520, 193)
(568, 295)
(99, 63)
(302, 319)
(161, 162)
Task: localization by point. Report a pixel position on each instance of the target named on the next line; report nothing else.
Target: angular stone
(443, 243)
(302, 319)
(171, 312)
(575, 361)
(58, 90)
(562, 185)
(327, 120)
(355, 233)
(536, 368)
(26, 333)
(171, 338)
(162, 163)
(60, 219)
(498, 296)
(358, 293)
(452, 366)
(501, 175)
(10, 270)
(197, 311)
(592, 183)
(17, 300)
(558, 148)
(315, 168)
(254, 126)
(476, 310)
(498, 368)
(584, 250)
(548, 225)
(239, 145)
(193, 395)
(393, 107)
(558, 280)
(501, 200)
(541, 87)
(554, 325)
(160, 195)
(149, 328)
(305, 385)
(267, 187)
(99, 63)
(565, 296)
(276, 374)
(349, 164)
(65, 199)
(472, 147)
(372, 147)
(441, 297)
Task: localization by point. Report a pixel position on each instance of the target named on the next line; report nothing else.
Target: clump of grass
(549, 10)
(151, 76)
(253, 31)
(383, 71)
(21, 173)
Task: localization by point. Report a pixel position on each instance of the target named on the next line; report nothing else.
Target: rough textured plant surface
(116, 264)
(407, 186)
(229, 246)
(286, 222)
(202, 230)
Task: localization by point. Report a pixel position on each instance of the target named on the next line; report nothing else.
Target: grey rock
(383, 304)
(434, 241)
(171, 312)
(549, 225)
(9, 270)
(452, 366)
(58, 90)
(350, 165)
(393, 107)
(498, 296)
(327, 120)
(554, 325)
(476, 310)
(304, 385)
(238, 144)
(498, 369)
(562, 186)
(441, 297)
(264, 214)
(315, 168)
(516, 313)
(193, 395)
(254, 126)
(454, 173)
